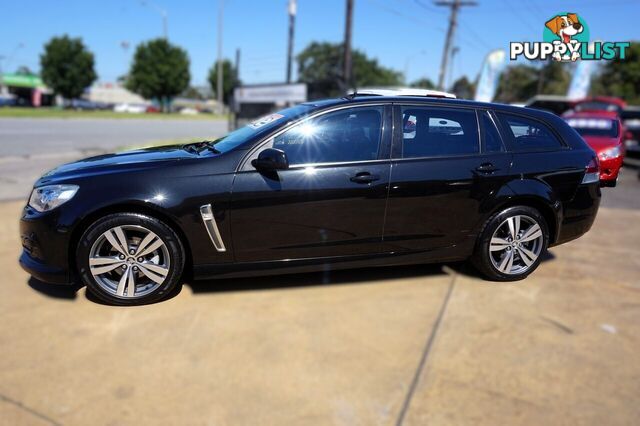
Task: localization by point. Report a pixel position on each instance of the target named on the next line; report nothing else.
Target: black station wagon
(343, 183)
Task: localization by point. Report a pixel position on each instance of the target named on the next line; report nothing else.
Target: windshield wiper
(198, 147)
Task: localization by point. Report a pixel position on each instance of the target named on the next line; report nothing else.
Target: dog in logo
(565, 27)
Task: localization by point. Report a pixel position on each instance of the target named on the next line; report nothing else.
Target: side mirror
(628, 136)
(271, 159)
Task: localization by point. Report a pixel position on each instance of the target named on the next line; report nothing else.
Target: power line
(476, 37)
(518, 16)
(428, 7)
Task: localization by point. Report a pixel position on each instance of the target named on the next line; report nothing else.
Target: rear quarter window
(526, 134)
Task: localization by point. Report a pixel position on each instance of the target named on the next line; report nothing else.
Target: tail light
(592, 172)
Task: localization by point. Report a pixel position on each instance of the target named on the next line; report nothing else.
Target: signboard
(278, 94)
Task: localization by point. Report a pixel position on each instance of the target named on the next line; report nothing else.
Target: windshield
(271, 121)
(594, 126)
(597, 106)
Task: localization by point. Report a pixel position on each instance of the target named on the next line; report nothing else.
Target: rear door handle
(364, 177)
(486, 168)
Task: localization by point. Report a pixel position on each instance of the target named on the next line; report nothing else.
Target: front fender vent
(210, 224)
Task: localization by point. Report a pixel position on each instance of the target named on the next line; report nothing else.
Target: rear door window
(527, 134)
(436, 132)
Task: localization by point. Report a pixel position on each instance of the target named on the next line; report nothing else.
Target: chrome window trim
(209, 220)
(245, 163)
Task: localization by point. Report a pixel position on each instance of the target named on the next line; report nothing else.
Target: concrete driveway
(413, 345)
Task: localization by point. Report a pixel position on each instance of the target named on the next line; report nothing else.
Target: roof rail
(400, 91)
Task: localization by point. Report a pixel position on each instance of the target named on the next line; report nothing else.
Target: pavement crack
(28, 410)
(427, 349)
(557, 324)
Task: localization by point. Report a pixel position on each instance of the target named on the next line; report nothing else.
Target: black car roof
(325, 103)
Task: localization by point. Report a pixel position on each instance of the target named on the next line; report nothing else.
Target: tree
(463, 88)
(554, 78)
(517, 84)
(621, 77)
(320, 66)
(67, 66)
(229, 79)
(24, 70)
(159, 71)
(192, 93)
(423, 83)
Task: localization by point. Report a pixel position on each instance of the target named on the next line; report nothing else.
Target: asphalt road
(30, 147)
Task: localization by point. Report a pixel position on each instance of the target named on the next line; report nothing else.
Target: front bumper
(45, 246)
(40, 271)
(610, 168)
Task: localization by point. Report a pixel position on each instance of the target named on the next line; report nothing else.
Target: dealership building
(26, 90)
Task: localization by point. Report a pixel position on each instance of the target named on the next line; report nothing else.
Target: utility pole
(455, 6)
(292, 21)
(238, 64)
(165, 29)
(220, 68)
(346, 62)
(162, 13)
(454, 51)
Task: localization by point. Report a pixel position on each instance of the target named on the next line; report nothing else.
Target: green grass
(62, 113)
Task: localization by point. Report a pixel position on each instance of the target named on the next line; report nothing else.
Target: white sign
(267, 94)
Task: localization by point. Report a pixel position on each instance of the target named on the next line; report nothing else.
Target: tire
(496, 243)
(144, 272)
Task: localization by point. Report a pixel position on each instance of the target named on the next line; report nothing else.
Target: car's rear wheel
(130, 259)
(511, 244)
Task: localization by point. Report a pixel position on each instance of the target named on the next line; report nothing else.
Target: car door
(443, 174)
(331, 199)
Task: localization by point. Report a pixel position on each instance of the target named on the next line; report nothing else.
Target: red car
(600, 104)
(603, 131)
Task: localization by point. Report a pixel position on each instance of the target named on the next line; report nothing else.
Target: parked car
(130, 108)
(604, 133)
(631, 122)
(553, 103)
(323, 185)
(600, 103)
(7, 100)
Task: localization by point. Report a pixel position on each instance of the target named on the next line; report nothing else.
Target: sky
(406, 35)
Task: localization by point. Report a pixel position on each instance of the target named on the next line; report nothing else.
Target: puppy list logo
(566, 38)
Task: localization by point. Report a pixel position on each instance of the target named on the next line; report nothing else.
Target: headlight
(610, 153)
(49, 197)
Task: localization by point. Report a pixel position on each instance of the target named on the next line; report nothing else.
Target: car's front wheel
(130, 259)
(511, 244)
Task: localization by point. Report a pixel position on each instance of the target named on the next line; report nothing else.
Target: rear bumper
(579, 213)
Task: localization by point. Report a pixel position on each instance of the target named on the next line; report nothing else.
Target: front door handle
(486, 168)
(364, 177)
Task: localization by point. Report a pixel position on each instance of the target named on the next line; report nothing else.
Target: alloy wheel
(516, 245)
(129, 261)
